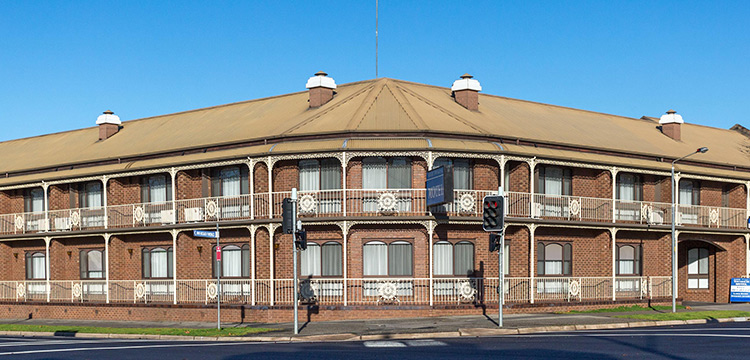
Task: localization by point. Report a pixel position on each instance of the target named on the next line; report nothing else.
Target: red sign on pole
(218, 253)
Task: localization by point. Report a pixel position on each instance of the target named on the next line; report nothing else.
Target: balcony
(339, 291)
(369, 203)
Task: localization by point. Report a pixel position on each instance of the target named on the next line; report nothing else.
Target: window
(629, 189)
(157, 263)
(689, 195)
(554, 259)
(91, 262)
(156, 189)
(321, 260)
(725, 191)
(553, 182)
(230, 183)
(462, 176)
(33, 200)
(235, 261)
(322, 175)
(698, 268)
(36, 266)
(91, 198)
(628, 260)
(381, 173)
(394, 259)
(449, 259)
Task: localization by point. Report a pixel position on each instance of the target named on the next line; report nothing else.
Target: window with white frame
(36, 266)
(321, 260)
(394, 259)
(235, 261)
(157, 263)
(554, 259)
(156, 189)
(91, 198)
(698, 268)
(92, 264)
(320, 177)
(229, 183)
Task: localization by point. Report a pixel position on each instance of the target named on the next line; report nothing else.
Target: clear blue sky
(62, 63)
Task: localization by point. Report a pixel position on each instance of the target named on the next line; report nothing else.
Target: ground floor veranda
(595, 266)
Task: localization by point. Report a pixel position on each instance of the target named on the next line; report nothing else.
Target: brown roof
(373, 106)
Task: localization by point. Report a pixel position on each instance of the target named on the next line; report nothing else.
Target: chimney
(670, 125)
(109, 124)
(321, 89)
(466, 92)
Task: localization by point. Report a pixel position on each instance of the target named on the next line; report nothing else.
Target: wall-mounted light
(130, 251)
(70, 253)
(276, 246)
(200, 249)
(15, 255)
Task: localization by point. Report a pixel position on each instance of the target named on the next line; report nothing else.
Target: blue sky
(63, 63)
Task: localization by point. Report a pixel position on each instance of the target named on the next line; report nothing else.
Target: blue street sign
(205, 234)
(739, 290)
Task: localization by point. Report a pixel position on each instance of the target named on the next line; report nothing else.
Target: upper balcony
(369, 203)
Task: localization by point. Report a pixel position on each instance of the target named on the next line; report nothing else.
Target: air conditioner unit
(40, 225)
(167, 216)
(656, 218)
(537, 210)
(193, 214)
(62, 223)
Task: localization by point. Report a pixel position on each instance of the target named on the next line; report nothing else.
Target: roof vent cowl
(671, 123)
(466, 92)
(321, 89)
(109, 124)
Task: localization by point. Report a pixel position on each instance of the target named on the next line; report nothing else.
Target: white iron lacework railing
(339, 291)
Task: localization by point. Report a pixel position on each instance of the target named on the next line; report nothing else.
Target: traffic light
(301, 240)
(494, 242)
(493, 213)
(287, 216)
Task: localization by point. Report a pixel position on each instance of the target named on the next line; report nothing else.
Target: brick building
(98, 222)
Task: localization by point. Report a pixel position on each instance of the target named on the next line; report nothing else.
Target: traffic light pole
(500, 268)
(294, 266)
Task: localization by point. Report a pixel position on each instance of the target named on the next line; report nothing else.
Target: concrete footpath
(409, 328)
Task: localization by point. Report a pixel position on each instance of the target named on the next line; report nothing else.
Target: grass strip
(238, 331)
(717, 314)
(626, 309)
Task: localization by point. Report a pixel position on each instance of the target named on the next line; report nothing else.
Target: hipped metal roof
(380, 106)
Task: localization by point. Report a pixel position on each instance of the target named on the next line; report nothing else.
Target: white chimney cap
(108, 117)
(466, 83)
(321, 79)
(671, 117)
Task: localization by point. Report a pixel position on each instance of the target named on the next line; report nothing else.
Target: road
(712, 341)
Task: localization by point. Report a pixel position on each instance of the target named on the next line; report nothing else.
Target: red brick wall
(189, 185)
(592, 249)
(519, 176)
(726, 260)
(486, 174)
(416, 235)
(65, 267)
(285, 175)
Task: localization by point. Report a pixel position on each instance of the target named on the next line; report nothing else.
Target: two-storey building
(98, 222)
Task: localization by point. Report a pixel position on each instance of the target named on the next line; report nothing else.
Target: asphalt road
(713, 341)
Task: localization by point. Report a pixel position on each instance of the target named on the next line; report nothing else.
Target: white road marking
(123, 348)
(425, 342)
(630, 335)
(384, 344)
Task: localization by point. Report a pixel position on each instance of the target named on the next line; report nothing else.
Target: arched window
(554, 259)
(91, 263)
(235, 261)
(325, 260)
(394, 259)
(36, 266)
(628, 260)
(157, 263)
